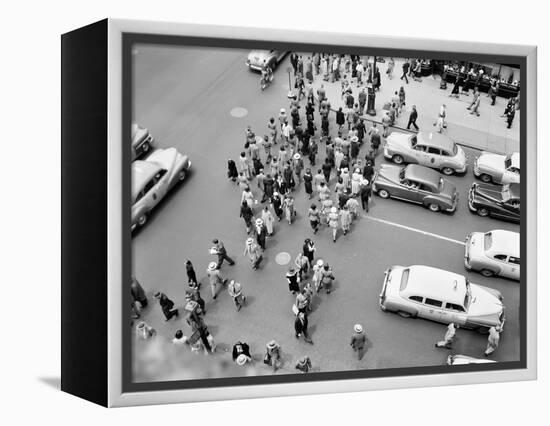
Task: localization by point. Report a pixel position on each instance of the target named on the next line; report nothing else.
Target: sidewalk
(486, 132)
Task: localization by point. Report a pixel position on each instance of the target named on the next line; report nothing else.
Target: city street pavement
(487, 132)
(187, 98)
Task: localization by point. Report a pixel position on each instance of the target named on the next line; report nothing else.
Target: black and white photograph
(309, 212)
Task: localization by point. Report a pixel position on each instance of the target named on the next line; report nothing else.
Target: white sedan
(153, 178)
(493, 253)
(497, 168)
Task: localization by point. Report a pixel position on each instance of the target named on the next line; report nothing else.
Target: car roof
(505, 242)
(436, 139)
(142, 172)
(436, 284)
(422, 174)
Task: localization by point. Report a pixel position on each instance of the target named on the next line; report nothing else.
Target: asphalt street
(185, 97)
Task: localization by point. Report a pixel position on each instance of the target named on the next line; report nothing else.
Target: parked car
(493, 253)
(458, 359)
(142, 141)
(497, 168)
(427, 149)
(502, 202)
(442, 296)
(153, 178)
(256, 58)
(416, 184)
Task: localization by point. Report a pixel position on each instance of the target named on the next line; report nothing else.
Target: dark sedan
(417, 184)
(502, 202)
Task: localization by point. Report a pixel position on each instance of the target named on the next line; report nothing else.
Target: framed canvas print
(251, 212)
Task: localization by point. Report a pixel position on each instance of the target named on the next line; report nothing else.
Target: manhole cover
(282, 258)
(239, 112)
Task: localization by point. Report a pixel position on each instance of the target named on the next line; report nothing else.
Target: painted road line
(408, 228)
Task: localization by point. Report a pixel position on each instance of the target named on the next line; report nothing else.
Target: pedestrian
(326, 278)
(321, 94)
(365, 194)
(333, 222)
(244, 166)
(494, 92)
(260, 231)
(252, 249)
(242, 180)
(358, 340)
(449, 337)
(314, 218)
(389, 71)
(298, 166)
(386, 123)
(283, 118)
(215, 278)
(194, 294)
(356, 179)
(241, 349)
(268, 220)
(475, 102)
(353, 206)
(288, 205)
(192, 307)
(401, 100)
(268, 187)
(294, 62)
(179, 339)
(273, 355)
(316, 278)
(199, 328)
(303, 364)
(138, 295)
(396, 100)
(376, 80)
(406, 67)
(302, 263)
(272, 131)
(308, 249)
(302, 302)
(232, 171)
(219, 250)
(492, 341)
(440, 123)
(510, 116)
(346, 179)
(308, 183)
(368, 170)
(300, 327)
(166, 305)
(340, 118)
(345, 219)
(235, 290)
(412, 118)
(293, 278)
(455, 93)
(324, 191)
(247, 215)
(277, 203)
(145, 331)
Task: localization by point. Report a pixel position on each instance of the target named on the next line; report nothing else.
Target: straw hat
(272, 344)
(212, 266)
(241, 359)
(283, 110)
(320, 262)
(259, 221)
(358, 328)
(249, 240)
(297, 156)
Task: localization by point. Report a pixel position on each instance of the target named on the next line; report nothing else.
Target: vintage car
(153, 178)
(458, 359)
(498, 201)
(416, 184)
(257, 58)
(496, 168)
(493, 253)
(427, 149)
(142, 141)
(441, 296)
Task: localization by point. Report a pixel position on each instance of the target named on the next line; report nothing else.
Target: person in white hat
(283, 117)
(358, 340)
(252, 249)
(260, 230)
(241, 350)
(215, 278)
(298, 166)
(268, 219)
(235, 290)
(272, 127)
(145, 331)
(304, 364)
(273, 355)
(333, 217)
(449, 337)
(316, 279)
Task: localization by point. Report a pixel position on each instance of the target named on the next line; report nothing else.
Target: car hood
(400, 140)
(165, 158)
(489, 160)
(387, 172)
(489, 192)
(138, 134)
(486, 304)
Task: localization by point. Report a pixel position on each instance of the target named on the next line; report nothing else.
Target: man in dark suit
(300, 326)
(166, 305)
(412, 118)
(406, 67)
(294, 61)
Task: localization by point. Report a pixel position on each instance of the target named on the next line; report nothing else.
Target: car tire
(383, 308)
(142, 220)
(434, 207)
(482, 330)
(487, 272)
(485, 178)
(182, 175)
(384, 194)
(404, 314)
(397, 159)
(447, 171)
(483, 212)
(146, 147)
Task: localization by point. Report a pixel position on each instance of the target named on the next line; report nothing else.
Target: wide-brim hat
(364, 182)
(303, 360)
(249, 240)
(212, 266)
(320, 262)
(241, 359)
(259, 221)
(271, 344)
(355, 139)
(297, 156)
(283, 110)
(345, 170)
(358, 328)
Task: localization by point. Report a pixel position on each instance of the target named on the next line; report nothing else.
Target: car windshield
(414, 140)
(404, 279)
(455, 149)
(507, 162)
(468, 296)
(488, 240)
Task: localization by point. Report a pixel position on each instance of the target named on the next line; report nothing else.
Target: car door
(514, 267)
(509, 266)
(452, 313)
(411, 191)
(511, 209)
(420, 154)
(431, 309)
(160, 186)
(433, 157)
